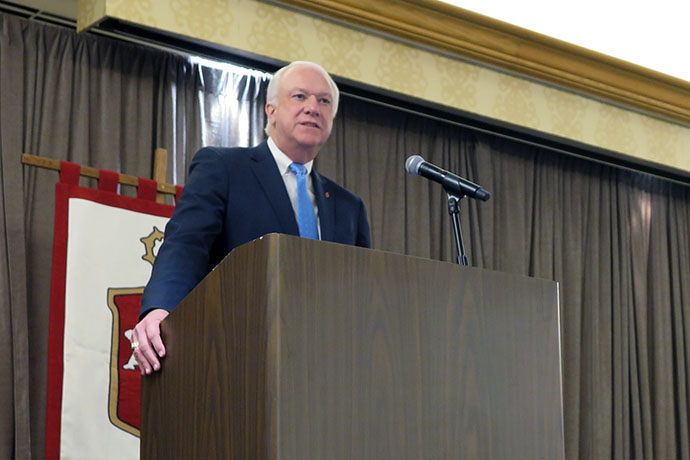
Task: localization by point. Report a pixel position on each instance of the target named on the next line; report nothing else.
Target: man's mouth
(310, 124)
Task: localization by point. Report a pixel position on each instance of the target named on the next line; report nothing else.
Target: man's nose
(312, 105)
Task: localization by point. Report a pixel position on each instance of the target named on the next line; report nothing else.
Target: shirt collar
(282, 160)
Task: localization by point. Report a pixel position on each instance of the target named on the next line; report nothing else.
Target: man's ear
(270, 110)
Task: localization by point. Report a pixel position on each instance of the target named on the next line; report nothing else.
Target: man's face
(303, 118)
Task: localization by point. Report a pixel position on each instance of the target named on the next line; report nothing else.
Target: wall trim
(469, 35)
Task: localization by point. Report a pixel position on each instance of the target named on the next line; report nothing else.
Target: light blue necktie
(306, 219)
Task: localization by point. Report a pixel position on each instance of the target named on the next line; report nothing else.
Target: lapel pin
(328, 195)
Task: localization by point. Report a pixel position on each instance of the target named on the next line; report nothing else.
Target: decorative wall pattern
(275, 34)
(565, 112)
(284, 34)
(516, 99)
(395, 60)
(341, 51)
(615, 127)
(665, 146)
(214, 18)
(89, 12)
(458, 82)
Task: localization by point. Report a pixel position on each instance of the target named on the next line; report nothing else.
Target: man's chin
(311, 140)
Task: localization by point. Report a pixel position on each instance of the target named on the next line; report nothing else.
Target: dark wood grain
(209, 400)
(295, 349)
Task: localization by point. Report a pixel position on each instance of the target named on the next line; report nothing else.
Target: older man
(235, 195)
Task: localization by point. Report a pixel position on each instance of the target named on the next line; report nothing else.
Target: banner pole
(88, 171)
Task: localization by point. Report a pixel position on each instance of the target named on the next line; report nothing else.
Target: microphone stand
(454, 211)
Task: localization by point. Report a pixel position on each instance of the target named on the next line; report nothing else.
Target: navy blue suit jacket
(233, 196)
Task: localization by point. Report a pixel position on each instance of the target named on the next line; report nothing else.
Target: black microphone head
(482, 194)
(413, 163)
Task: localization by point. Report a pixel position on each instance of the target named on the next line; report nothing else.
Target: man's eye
(299, 96)
(325, 100)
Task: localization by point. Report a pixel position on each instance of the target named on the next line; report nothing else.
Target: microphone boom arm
(456, 188)
(454, 211)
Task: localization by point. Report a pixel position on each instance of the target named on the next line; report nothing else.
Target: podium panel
(298, 349)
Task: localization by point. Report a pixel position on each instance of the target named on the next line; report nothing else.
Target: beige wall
(284, 34)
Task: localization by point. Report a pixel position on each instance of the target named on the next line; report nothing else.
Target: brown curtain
(97, 102)
(615, 240)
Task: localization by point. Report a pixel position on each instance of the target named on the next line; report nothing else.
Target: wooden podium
(299, 349)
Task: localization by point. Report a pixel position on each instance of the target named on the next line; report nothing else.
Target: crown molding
(488, 41)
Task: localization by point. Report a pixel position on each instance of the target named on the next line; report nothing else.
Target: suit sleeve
(183, 259)
(363, 234)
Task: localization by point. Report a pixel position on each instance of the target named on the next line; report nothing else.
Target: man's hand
(147, 343)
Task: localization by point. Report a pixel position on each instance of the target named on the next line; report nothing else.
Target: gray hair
(274, 85)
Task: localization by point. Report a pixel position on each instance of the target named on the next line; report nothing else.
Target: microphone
(416, 166)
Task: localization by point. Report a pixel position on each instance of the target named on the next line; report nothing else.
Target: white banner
(109, 255)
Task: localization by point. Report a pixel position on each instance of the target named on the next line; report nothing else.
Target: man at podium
(235, 195)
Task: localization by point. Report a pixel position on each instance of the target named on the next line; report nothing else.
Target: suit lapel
(326, 203)
(268, 175)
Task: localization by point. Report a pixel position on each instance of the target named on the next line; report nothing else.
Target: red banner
(104, 248)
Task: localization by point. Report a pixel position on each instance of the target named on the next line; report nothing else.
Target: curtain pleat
(15, 432)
